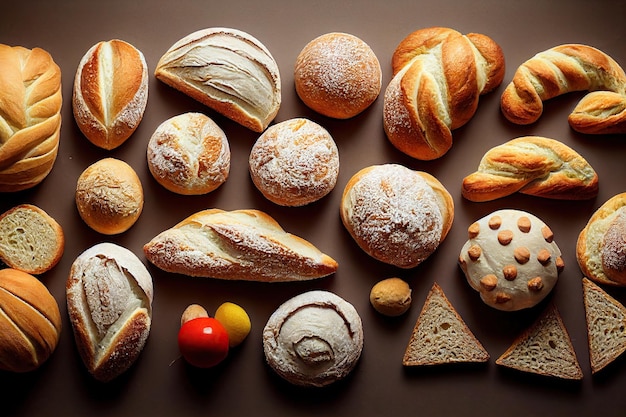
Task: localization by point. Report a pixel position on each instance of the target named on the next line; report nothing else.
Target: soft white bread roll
(109, 196)
(189, 154)
(30, 240)
(396, 215)
(601, 245)
(294, 163)
(337, 75)
(313, 339)
(227, 70)
(109, 302)
(511, 259)
(30, 116)
(244, 245)
(30, 323)
(110, 92)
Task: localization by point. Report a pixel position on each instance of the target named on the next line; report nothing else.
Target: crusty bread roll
(227, 70)
(294, 163)
(313, 339)
(396, 215)
(438, 77)
(189, 154)
(511, 259)
(30, 240)
(30, 323)
(110, 92)
(30, 116)
(532, 165)
(244, 245)
(109, 302)
(109, 196)
(601, 245)
(563, 69)
(391, 297)
(337, 75)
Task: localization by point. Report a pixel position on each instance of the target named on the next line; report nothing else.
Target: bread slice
(30, 240)
(440, 335)
(606, 325)
(545, 348)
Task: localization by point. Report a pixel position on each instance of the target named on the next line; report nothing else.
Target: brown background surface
(160, 383)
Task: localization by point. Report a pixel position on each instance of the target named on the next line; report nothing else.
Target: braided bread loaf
(439, 75)
(532, 165)
(563, 69)
(30, 116)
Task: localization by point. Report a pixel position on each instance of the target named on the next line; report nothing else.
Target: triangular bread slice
(545, 348)
(440, 335)
(606, 325)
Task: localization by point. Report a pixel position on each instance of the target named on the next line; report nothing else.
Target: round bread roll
(396, 215)
(109, 196)
(30, 323)
(189, 154)
(601, 246)
(313, 339)
(337, 75)
(391, 297)
(511, 259)
(294, 163)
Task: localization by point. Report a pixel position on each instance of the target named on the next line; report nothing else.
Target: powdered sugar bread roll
(397, 215)
(294, 163)
(337, 75)
(189, 154)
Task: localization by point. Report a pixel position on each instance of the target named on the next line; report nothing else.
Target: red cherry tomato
(203, 342)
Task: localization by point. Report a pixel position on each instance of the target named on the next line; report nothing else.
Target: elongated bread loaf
(244, 245)
(30, 116)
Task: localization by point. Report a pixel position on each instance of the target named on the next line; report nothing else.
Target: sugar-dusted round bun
(109, 196)
(396, 215)
(294, 163)
(511, 259)
(189, 154)
(337, 75)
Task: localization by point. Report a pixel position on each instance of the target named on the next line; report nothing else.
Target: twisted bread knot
(564, 69)
(439, 75)
(30, 116)
(532, 165)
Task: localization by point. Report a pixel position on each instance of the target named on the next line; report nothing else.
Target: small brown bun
(109, 196)
(391, 297)
(294, 163)
(337, 75)
(189, 154)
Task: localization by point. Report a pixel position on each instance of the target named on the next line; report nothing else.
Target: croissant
(439, 75)
(532, 165)
(563, 69)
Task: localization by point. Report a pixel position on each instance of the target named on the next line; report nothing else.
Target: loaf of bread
(30, 240)
(246, 245)
(109, 302)
(189, 154)
(30, 323)
(110, 92)
(396, 215)
(337, 75)
(313, 339)
(227, 70)
(30, 116)
(601, 245)
(438, 77)
(563, 69)
(532, 165)
(294, 163)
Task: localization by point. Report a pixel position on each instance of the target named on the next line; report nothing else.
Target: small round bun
(189, 154)
(294, 163)
(109, 196)
(337, 75)
(396, 215)
(511, 259)
(391, 297)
